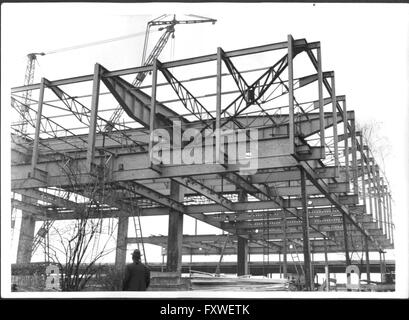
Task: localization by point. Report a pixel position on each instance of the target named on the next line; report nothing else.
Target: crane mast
(28, 80)
(169, 27)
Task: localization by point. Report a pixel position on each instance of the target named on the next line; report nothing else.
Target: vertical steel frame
(34, 158)
(93, 118)
(335, 124)
(321, 101)
(291, 126)
(306, 239)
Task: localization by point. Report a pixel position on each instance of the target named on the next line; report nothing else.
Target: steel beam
(300, 43)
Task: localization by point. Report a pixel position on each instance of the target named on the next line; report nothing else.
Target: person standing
(137, 275)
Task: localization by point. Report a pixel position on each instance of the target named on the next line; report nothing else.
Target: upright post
(93, 118)
(388, 211)
(378, 196)
(26, 238)
(305, 230)
(321, 102)
(345, 230)
(326, 265)
(285, 244)
(121, 244)
(354, 159)
(346, 138)
(369, 183)
(368, 270)
(391, 217)
(291, 126)
(218, 104)
(362, 169)
(152, 117)
(385, 214)
(34, 158)
(335, 124)
(242, 246)
(175, 231)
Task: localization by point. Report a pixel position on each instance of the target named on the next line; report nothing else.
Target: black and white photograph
(204, 150)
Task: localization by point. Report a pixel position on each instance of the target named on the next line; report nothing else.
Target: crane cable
(97, 42)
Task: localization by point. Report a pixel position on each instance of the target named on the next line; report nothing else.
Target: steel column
(370, 179)
(305, 230)
(321, 100)
(346, 145)
(363, 170)
(34, 158)
(291, 128)
(218, 102)
(152, 118)
(335, 125)
(354, 160)
(391, 217)
(93, 118)
(379, 201)
(387, 212)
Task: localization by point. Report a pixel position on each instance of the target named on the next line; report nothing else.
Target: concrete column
(285, 244)
(175, 232)
(326, 265)
(121, 244)
(242, 246)
(345, 231)
(242, 256)
(25, 243)
(368, 270)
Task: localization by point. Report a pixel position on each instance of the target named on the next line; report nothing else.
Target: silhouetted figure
(137, 275)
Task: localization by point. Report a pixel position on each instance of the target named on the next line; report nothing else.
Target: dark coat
(137, 277)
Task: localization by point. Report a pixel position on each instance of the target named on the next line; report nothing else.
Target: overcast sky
(365, 44)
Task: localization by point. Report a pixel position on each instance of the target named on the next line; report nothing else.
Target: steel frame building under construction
(317, 185)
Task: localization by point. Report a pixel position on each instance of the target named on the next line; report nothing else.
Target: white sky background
(365, 44)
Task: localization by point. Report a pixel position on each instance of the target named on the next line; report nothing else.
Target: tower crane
(28, 79)
(169, 31)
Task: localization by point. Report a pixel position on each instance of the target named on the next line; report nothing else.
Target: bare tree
(379, 145)
(77, 247)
